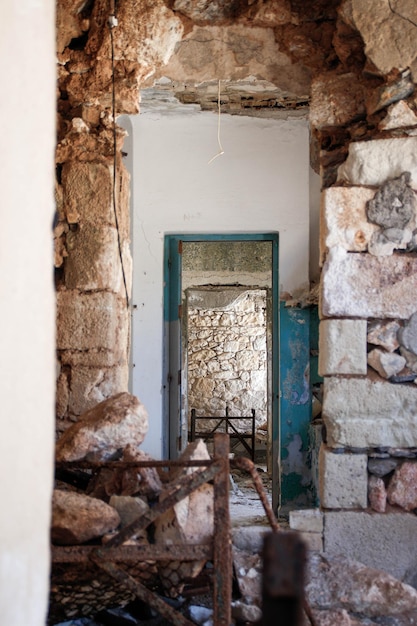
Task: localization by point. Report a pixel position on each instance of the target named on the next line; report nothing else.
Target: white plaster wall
(259, 184)
(27, 110)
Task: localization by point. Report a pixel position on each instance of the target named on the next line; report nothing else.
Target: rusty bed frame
(114, 558)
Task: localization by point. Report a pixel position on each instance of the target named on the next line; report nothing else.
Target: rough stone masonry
(359, 62)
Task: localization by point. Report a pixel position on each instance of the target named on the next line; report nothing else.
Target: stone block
(88, 192)
(362, 285)
(91, 321)
(336, 100)
(307, 520)
(388, 35)
(93, 261)
(343, 480)
(385, 541)
(90, 386)
(342, 347)
(343, 219)
(313, 541)
(373, 162)
(369, 412)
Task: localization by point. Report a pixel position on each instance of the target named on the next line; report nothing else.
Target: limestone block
(336, 100)
(90, 386)
(77, 518)
(93, 261)
(370, 413)
(307, 520)
(343, 480)
(88, 192)
(362, 285)
(104, 430)
(313, 541)
(91, 321)
(343, 219)
(342, 347)
(389, 36)
(385, 541)
(373, 162)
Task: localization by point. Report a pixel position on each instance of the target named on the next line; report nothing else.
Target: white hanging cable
(221, 151)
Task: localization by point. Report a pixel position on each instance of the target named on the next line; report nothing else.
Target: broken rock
(340, 583)
(408, 334)
(77, 518)
(394, 204)
(189, 522)
(377, 494)
(104, 430)
(384, 334)
(402, 489)
(387, 364)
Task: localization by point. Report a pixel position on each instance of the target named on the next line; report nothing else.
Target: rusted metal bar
(142, 592)
(129, 464)
(284, 556)
(185, 486)
(222, 550)
(247, 465)
(133, 554)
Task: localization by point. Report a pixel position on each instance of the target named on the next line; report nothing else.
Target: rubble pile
(91, 505)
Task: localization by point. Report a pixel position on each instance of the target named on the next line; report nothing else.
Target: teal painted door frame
(172, 342)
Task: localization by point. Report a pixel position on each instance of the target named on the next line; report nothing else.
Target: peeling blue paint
(296, 480)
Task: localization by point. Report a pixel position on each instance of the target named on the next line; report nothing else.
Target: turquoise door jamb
(172, 342)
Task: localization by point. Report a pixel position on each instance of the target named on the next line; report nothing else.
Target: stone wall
(101, 64)
(367, 158)
(227, 355)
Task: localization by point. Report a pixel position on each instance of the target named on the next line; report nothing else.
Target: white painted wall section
(27, 312)
(260, 184)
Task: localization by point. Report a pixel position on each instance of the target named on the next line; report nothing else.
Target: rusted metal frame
(142, 592)
(133, 554)
(222, 548)
(185, 486)
(241, 436)
(131, 464)
(227, 421)
(247, 465)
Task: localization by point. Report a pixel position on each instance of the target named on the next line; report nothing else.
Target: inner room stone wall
(227, 354)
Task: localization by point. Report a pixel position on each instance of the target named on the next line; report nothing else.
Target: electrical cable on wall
(112, 23)
(221, 151)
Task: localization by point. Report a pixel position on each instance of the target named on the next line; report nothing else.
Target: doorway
(214, 281)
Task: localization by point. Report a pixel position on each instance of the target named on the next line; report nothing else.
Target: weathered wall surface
(27, 364)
